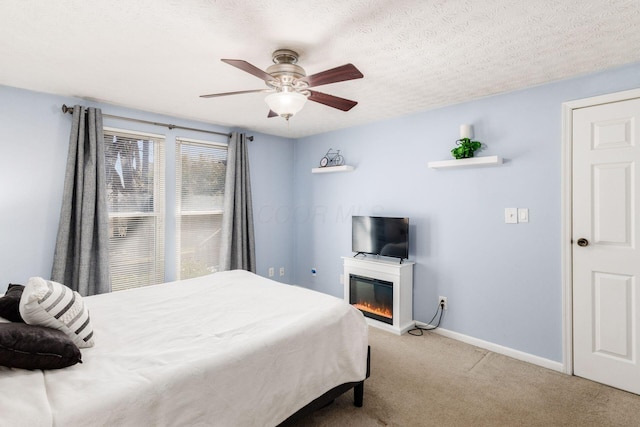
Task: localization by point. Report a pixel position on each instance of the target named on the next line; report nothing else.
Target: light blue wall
(503, 281)
(271, 158)
(34, 137)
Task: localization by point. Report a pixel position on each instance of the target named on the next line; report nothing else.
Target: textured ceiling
(160, 55)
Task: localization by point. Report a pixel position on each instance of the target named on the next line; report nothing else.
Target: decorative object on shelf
(466, 147)
(332, 158)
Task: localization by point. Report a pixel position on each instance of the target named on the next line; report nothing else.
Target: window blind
(135, 197)
(200, 180)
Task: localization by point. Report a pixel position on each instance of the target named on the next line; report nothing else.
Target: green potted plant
(466, 148)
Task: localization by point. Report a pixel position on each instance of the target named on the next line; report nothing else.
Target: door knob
(583, 242)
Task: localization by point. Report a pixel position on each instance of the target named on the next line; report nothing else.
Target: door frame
(567, 213)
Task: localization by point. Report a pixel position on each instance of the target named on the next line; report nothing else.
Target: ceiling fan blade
(338, 74)
(331, 101)
(272, 114)
(214, 95)
(251, 69)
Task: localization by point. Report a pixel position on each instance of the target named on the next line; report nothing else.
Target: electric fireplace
(382, 290)
(374, 297)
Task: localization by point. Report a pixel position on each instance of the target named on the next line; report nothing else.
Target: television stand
(400, 275)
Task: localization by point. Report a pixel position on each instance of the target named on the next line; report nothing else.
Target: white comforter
(229, 349)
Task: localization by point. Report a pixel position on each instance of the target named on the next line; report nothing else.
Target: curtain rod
(69, 110)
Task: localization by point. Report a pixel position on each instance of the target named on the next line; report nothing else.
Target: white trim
(566, 201)
(603, 99)
(132, 214)
(196, 213)
(506, 351)
(135, 133)
(566, 233)
(181, 139)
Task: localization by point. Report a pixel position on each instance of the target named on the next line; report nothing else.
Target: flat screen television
(379, 235)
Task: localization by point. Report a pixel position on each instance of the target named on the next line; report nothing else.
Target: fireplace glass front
(373, 297)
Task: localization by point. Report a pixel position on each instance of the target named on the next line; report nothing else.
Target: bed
(228, 349)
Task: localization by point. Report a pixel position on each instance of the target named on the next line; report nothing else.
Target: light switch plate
(523, 215)
(511, 215)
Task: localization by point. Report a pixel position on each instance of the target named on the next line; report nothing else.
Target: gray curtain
(238, 243)
(81, 258)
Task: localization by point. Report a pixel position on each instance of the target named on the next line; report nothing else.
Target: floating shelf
(329, 169)
(473, 161)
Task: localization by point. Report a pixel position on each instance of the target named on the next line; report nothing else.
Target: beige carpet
(436, 381)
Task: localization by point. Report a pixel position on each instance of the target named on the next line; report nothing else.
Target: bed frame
(328, 398)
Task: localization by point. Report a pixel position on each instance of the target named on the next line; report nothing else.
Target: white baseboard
(496, 348)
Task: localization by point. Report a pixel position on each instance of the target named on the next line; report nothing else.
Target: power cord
(418, 330)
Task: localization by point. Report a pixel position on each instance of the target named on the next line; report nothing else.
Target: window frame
(179, 213)
(159, 202)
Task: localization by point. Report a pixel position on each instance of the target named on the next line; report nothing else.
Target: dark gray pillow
(36, 347)
(10, 303)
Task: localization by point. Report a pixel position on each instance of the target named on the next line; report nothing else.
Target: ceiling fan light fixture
(286, 104)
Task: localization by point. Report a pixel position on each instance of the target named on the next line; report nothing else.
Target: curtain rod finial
(66, 109)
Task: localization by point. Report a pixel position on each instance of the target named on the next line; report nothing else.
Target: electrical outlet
(443, 302)
(271, 271)
(281, 271)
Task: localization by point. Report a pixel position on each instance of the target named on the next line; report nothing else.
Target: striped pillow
(51, 304)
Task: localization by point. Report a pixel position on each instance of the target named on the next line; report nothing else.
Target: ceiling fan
(289, 84)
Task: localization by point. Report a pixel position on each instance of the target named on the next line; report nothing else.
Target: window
(200, 179)
(135, 196)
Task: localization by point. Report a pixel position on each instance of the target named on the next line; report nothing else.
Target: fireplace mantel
(400, 274)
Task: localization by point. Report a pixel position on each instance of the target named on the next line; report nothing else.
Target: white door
(606, 258)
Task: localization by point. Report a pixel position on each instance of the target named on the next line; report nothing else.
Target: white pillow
(51, 304)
